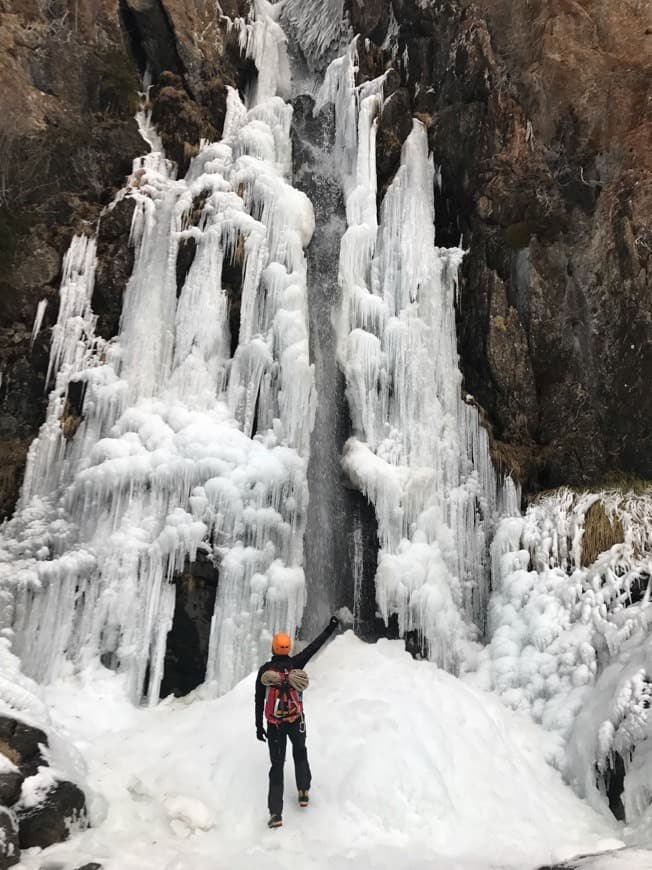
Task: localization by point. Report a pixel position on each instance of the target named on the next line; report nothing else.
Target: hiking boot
(303, 798)
(275, 822)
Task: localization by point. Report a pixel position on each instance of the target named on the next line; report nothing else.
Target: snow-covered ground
(412, 768)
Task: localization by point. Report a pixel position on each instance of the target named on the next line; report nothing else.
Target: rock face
(537, 113)
(186, 652)
(539, 117)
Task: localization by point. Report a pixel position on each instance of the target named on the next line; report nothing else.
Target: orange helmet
(281, 644)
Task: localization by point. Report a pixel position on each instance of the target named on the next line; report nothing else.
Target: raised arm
(301, 659)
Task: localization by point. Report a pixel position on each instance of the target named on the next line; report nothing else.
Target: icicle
(38, 321)
(75, 319)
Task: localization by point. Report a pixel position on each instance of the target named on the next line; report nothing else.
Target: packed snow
(411, 769)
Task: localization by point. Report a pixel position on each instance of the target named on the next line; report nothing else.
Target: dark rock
(115, 259)
(369, 18)
(68, 93)
(10, 783)
(394, 127)
(185, 258)
(37, 263)
(21, 744)
(149, 28)
(92, 866)
(50, 821)
(186, 653)
(181, 121)
(9, 846)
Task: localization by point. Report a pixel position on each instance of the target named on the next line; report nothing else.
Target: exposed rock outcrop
(37, 807)
(21, 744)
(52, 815)
(186, 653)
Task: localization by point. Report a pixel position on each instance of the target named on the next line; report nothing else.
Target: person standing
(279, 695)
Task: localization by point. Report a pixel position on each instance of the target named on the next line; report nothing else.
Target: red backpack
(283, 703)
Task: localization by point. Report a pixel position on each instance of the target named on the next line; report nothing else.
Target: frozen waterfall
(179, 444)
(189, 433)
(418, 451)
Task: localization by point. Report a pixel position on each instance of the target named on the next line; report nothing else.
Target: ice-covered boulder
(49, 810)
(21, 744)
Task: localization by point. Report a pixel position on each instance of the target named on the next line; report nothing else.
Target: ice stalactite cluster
(570, 632)
(418, 451)
(189, 431)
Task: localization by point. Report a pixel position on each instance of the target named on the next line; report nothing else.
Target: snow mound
(411, 768)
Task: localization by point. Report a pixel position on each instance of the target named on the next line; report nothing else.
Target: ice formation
(38, 320)
(570, 623)
(190, 430)
(319, 26)
(418, 451)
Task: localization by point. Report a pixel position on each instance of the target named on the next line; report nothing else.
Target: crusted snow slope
(180, 443)
(411, 769)
(570, 623)
(418, 450)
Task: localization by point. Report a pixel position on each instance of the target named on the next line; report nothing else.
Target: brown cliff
(539, 114)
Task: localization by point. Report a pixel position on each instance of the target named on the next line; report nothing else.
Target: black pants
(277, 741)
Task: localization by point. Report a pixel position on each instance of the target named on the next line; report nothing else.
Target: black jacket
(288, 663)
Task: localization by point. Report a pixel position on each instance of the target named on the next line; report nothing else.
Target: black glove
(334, 622)
(261, 734)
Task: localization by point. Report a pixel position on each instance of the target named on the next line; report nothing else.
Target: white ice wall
(418, 450)
(180, 446)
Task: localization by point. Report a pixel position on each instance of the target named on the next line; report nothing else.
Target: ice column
(418, 451)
